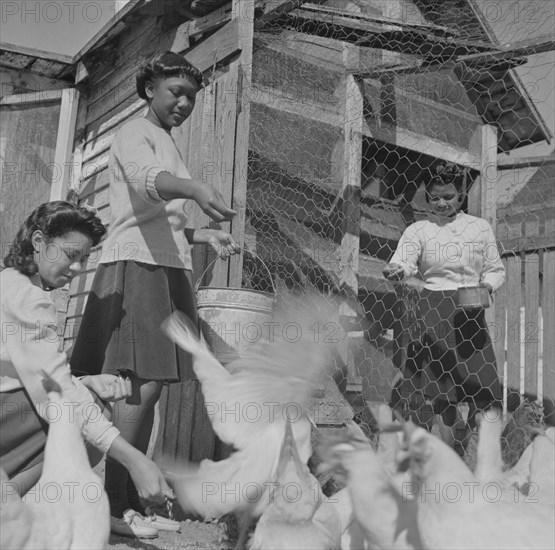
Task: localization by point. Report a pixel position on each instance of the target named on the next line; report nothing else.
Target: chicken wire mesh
(351, 105)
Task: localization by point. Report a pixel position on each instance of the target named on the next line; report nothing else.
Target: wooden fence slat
(513, 321)
(531, 324)
(498, 331)
(203, 436)
(224, 144)
(548, 312)
(195, 139)
(185, 425)
(530, 338)
(172, 420)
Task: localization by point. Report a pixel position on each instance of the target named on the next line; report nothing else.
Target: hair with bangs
(53, 219)
(163, 65)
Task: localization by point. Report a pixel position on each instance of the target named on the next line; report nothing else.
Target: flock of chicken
(413, 491)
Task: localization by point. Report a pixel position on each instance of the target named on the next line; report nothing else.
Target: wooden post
(482, 197)
(350, 192)
(488, 175)
(488, 188)
(548, 314)
(243, 12)
(64, 144)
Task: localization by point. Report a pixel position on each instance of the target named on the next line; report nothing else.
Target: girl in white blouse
(454, 360)
(49, 250)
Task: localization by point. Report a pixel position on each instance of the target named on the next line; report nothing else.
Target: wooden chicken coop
(316, 123)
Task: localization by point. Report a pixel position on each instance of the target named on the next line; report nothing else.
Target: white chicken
(67, 508)
(534, 473)
(456, 510)
(542, 468)
(254, 399)
(298, 515)
(386, 516)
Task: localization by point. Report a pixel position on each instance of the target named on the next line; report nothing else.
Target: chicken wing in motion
(251, 405)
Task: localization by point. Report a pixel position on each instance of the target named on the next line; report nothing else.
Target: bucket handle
(197, 284)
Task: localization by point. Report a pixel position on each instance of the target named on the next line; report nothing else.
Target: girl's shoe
(161, 523)
(132, 524)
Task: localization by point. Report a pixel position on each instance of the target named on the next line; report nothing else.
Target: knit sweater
(30, 344)
(144, 227)
(451, 253)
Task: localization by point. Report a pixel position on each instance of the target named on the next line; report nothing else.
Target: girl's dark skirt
(22, 433)
(120, 330)
(452, 362)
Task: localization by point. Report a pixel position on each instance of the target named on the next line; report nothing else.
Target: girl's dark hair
(53, 219)
(163, 65)
(445, 173)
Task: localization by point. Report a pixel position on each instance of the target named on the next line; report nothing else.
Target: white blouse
(451, 253)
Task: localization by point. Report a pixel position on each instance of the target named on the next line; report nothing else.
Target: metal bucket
(473, 297)
(233, 319)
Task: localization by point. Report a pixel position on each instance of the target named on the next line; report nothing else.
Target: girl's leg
(142, 444)
(133, 417)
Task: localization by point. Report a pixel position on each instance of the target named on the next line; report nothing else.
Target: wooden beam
(218, 47)
(209, 22)
(529, 243)
(514, 53)
(243, 16)
(350, 212)
(509, 51)
(488, 186)
(274, 9)
(64, 169)
(328, 114)
(35, 52)
(350, 187)
(374, 34)
(387, 18)
(34, 97)
(181, 36)
(528, 162)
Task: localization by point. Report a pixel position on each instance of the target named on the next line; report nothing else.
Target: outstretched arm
(221, 241)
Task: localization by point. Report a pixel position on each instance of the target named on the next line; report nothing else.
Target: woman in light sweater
(144, 273)
(49, 250)
(454, 360)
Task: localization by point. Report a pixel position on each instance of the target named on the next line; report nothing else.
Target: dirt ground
(194, 535)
